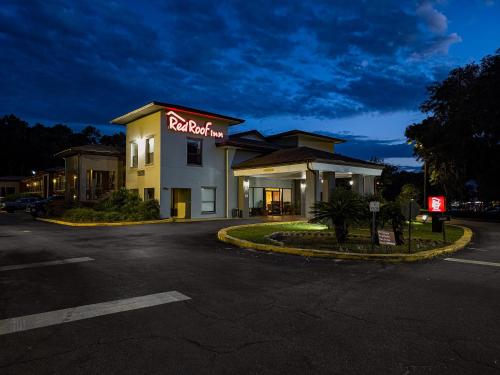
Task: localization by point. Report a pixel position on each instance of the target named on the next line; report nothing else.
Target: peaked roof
(157, 106)
(302, 155)
(295, 132)
(90, 149)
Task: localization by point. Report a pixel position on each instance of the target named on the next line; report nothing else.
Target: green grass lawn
(359, 238)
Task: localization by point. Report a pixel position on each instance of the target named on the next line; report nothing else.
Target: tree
(344, 208)
(91, 134)
(393, 179)
(116, 140)
(24, 148)
(460, 138)
(408, 192)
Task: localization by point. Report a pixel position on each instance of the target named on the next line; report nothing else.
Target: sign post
(410, 212)
(374, 208)
(409, 227)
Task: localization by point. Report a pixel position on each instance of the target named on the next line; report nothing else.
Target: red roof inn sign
(179, 124)
(436, 204)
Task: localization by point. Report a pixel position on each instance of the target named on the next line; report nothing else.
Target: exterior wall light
(303, 186)
(351, 182)
(246, 186)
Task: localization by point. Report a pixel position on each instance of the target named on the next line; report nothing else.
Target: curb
(103, 224)
(463, 241)
(125, 223)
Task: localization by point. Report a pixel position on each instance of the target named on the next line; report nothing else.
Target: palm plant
(344, 208)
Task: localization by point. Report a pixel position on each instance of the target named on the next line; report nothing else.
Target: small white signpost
(374, 206)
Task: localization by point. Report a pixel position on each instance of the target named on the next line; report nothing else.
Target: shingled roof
(90, 149)
(303, 155)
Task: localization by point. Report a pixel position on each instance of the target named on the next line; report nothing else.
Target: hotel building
(186, 159)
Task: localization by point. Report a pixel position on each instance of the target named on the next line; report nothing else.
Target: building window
(207, 200)
(194, 151)
(149, 194)
(99, 183)
(134, 155)
(150, 150)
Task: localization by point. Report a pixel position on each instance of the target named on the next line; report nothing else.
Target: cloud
(434, 20)
(88, 62)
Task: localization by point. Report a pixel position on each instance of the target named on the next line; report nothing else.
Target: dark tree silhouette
(460, 138)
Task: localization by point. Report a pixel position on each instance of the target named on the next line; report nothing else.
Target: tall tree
(460, 138)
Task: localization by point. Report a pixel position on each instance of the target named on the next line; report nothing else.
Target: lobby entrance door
(181, 203)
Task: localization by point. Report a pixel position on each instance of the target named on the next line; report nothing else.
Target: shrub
(344, 208)
(121, 205)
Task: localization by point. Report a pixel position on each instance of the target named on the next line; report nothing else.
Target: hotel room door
(181, 203)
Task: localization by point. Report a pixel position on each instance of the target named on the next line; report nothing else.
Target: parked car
(42, 206)
(18, 204)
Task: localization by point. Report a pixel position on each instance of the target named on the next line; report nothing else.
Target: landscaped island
(318, 236)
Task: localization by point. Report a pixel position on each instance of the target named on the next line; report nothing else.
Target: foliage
(121, 205)
(24, 148)
(408, 192)
(344, 208)
(392, 180)
(460, 138)
(422, 237)
(390, 213)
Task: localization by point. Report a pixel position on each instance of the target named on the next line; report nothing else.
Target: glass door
(273, 201)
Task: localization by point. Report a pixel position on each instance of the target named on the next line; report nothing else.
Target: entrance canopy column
(328, 185)
(313, 189)
(243, 196)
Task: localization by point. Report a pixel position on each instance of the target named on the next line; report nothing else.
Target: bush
(344, 208)
(121, 205)
(391, 213)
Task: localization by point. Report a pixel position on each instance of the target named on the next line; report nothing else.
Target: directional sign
(374, 206)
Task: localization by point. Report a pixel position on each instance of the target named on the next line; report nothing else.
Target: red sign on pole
(436, 204)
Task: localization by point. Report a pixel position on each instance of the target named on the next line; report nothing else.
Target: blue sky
(355, 69)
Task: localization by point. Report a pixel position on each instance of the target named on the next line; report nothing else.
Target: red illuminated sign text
(436, 204)
(179, 124)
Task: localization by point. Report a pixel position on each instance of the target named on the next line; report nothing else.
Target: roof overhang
(158, 106)
(341, 169)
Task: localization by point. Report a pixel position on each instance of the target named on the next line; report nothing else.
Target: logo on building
(436, 204)
(179, 124)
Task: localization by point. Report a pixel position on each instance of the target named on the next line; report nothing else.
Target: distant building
(46, 182)
(91, 171)
(10, 185)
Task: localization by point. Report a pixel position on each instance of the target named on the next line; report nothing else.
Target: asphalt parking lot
(244, 312)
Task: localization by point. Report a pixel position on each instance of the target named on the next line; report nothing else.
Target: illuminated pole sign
(436, 204)
(179, 124)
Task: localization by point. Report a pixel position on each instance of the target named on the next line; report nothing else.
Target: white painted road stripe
(24, 323)
(44, 264)
(473, 262)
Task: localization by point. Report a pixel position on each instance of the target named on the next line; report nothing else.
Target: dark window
(194, 151)
(149, 194)
(207, 200)
(150, 150)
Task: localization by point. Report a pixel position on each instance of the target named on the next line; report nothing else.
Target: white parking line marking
(24, 323)
(44, 264)
(479, 262)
